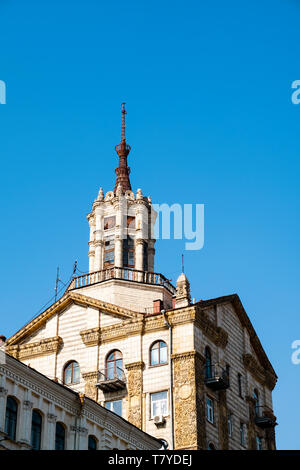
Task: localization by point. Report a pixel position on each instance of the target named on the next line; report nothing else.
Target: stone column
(118, 251)
(189, 422)
(135, 393)
(139, 254)
(98, 257)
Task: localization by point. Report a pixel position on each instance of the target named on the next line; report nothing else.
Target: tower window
(109, 222)
(145, 256)
(128, 253)
(130, 222)
(109, 252)
(71, 373)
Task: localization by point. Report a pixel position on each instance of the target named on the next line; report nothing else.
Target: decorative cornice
(215, 333)
(264, 377)
(135, 365)
(109, 333)
(38, 348)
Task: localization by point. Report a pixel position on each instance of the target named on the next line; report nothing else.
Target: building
(38, 413)
(192, 374)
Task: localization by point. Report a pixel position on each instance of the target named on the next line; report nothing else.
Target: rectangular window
(109, 252)
(230, 425)
(210, 410)
(128, 252)
(115, 406)
(242, 434)
(240, 385)
(109, 222)
(258, 443)
(159, 404)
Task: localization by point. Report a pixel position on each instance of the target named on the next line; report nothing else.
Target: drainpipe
(171, 376)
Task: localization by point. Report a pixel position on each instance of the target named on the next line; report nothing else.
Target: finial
(100, 195)
(123, 139)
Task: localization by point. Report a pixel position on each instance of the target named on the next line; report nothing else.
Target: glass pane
(154, 357)
(110, 370)
(117, 407)
(75, 372)
(163, 353)
(68, 377)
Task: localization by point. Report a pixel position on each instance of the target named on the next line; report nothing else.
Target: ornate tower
(121, 223)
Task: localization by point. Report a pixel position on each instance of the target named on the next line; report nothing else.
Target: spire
(123, 150)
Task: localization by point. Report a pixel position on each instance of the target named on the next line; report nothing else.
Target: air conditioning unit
(159, 419)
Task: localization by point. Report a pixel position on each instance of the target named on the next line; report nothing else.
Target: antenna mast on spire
(123, 139)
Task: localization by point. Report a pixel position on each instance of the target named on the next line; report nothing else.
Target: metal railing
(215, 371)
(126, 274)
(107, 375)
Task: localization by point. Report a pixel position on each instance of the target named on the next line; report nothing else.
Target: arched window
(256, 398)
(36, 430)
(11, 418)
(71, 373)
(60, 436)
(164, 443)
(114, 365)
(211, 446)
(208, 365)
(92, 443)
(158, 353)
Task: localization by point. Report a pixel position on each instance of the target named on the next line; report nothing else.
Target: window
(159, 404)
(210, 410)
(109, 222)
(109, 251)
(158, 353)
(208, 368)
(71, 373)
(130, 221)
(36, 430)
(92, 443)
(259, 443)
(230, 425)
(242, 434)
(256, 398)
(11, 418)
(128, 252)
(60, 436)
(145, 256)
(115, 406)
(228, 373)
(240, 385)
(211, 446)
(114, 365)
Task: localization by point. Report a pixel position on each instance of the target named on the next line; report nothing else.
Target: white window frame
(109, 402)
(210, 410)
(166, 400)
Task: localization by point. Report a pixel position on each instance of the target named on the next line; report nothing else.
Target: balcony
(264, 417)
(111, 380)
(216, 377)
(126, 274)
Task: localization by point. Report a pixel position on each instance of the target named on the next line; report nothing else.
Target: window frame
(242, 434)
(36, 412)
(11, 418)
(115, 362)
(108, 402)
(62, 426)
(66, 367)
(92, 438)
(210, 410)
(152, 348)
(162, 400)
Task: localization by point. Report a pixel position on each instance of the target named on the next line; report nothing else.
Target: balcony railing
(264, 417)
(216, 377)
(126, 274)
(111, 380)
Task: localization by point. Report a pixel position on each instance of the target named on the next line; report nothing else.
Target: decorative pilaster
(51, 424)
(26, 420)
(187, 417)
(90, 388)
(135, 392)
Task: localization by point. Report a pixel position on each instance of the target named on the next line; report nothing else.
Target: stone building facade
(38, 413)
(192, 374)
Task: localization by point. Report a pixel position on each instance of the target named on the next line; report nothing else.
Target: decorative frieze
(39, 348)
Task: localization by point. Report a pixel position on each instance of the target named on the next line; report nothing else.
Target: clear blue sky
(210, 120)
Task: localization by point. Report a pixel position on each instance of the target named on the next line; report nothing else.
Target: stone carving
(135, 390)
(39, 348)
